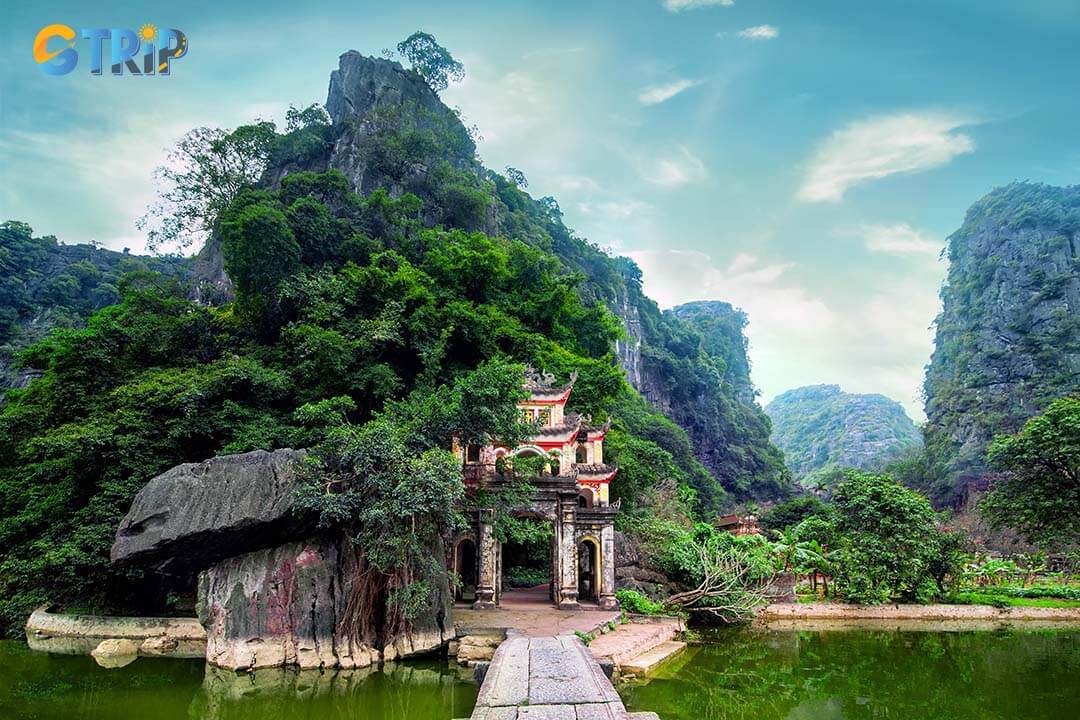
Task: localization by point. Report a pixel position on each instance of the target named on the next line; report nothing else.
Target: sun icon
(148, 33)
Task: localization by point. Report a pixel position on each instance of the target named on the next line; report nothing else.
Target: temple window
(526, 415)
(582, 455)
(472, 453)
(544, 417)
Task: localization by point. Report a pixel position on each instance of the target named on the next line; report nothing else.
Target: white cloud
(878, 147)
(576, 183)
(760, 32)
(673, 277)
(877, 342)
(615, 209)
(661, 93)
(680, 5)
(674, 170)
(898, 238)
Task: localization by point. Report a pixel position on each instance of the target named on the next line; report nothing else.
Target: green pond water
(762, 675)
(758, 675)
(53, 687)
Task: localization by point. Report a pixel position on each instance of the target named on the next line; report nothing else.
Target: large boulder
(196, 514)
(286, 606)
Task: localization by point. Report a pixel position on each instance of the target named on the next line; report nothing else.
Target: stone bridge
(548, 678)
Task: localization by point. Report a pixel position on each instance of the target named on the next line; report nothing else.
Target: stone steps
(629, 641)
(650, 659)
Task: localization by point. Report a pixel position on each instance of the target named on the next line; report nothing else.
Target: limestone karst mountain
(1008, 336)
(670, 358)
(820, 427)
(390, 132)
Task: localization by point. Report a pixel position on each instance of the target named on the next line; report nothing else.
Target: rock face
(198, 513)
(723, 336)
(265, 599)
(821, 427)
(361, 84)
(1008, 336)
(632, 574)
(286, 606)
(367, 95)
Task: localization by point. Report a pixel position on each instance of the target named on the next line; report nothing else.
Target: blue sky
(802, 160)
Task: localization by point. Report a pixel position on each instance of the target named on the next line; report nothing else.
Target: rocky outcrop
(632, 573)
(265, 599)
(362, 84)
(366, 96)
(820, 427)
(49, 285)
(288, 606)
(280, 606)
(198, 513)
(1008, 336)
(672, 359)
(723, 335)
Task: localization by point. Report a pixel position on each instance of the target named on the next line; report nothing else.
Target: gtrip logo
(139, 52)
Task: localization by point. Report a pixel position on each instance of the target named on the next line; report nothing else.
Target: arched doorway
(466, 568)
(526, 561)
(588, 570)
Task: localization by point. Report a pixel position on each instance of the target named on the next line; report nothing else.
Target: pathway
(548, 678)
(530, 612)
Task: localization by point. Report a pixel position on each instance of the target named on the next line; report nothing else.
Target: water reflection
(41, 686)
(430, 690)
(767, 675)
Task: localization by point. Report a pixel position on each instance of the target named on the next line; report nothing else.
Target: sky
(805, 161)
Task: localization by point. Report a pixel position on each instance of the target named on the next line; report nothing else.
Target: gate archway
(589, 569)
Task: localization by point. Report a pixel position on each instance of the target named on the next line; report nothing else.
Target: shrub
(633, 601)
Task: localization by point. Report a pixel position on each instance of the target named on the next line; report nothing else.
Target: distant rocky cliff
(46, 285)
(1008, 336)
(821, 427)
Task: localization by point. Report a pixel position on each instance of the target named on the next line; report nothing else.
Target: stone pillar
(568, 567)
(606, 595)
(487, 572)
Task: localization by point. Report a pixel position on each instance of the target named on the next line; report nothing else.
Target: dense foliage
(820, 428)
(1008, 336)
(875, 539)
(46, 285)
(396, 489)
(792, 512)
(1038, 490)
(888, 544)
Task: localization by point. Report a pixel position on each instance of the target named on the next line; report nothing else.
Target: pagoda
(571, 491)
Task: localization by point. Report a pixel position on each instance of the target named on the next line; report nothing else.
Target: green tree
(1038, 492)
(431, 60)
(792, 512)
(393, 486)
(889, 546)
(206, 170)
(259, 250)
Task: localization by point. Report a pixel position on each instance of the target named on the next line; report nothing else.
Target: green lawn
(986, 598)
